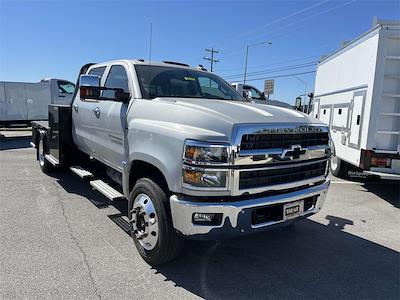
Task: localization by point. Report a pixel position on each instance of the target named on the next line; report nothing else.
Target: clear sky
(41, 39)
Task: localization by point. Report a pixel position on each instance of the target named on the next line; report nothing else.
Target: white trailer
(357, 92)
(22, 102)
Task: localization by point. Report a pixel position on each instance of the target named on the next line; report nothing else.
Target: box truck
(357, 92)
(22, 102)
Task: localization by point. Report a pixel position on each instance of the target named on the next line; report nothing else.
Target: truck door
(16, 101)
(355, 123)
(38, 99)
(84, 119)
(325, 114)
(62, 91)
(110, 119)
(256, 95)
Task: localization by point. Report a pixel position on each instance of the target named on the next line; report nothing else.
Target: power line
(278, 29)
(211, 59)
(286, 68)
(279, 35)
(282, 18)
(275, 70)
(279, 76)
(268, 65)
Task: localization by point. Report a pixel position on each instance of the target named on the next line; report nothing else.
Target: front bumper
(237, 216)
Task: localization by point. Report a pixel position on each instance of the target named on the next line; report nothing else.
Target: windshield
(156, 81)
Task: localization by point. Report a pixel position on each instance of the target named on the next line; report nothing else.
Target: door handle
(97, 112)
(62, 96)
(75, 106)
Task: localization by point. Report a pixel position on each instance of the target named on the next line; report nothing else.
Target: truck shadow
(310, 260)
(387, 190)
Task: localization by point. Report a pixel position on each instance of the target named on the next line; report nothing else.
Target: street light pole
(305, 90)
(245, 65)
(247, 55)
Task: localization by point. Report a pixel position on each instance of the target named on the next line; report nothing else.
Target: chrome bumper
(236, 219)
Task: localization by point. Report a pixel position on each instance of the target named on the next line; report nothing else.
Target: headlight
(199, 158)
(200, 177)
(203, 154)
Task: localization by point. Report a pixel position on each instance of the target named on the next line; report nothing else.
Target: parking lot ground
(59, 238)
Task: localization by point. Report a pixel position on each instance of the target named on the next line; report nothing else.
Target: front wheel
(338, 167)
(151, 224)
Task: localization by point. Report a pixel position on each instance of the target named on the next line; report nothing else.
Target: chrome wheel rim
(41, 153)
(145, 221)
(334, 162)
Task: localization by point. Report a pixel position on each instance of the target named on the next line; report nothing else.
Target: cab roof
(154, 63)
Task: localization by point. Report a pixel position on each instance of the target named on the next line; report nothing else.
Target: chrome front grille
(265, 141)
(263, 178)
(278, 157)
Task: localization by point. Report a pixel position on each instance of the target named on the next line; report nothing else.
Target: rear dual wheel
(151, 224)
(45, 166)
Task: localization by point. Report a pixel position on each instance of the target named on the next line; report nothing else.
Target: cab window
(211, 88)
(254, 93)
(117, 78)
(97, 71)
(65, 87)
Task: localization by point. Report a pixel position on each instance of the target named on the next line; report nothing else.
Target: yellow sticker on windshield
(190, 78)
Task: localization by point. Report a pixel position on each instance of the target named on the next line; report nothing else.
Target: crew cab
(192, 158)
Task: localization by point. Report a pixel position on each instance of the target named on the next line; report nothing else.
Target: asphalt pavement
(61, 239)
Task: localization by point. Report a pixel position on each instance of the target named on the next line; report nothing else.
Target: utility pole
(211, 59)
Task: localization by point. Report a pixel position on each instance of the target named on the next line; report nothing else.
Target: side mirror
(297, 104)
(122, 96)
(247, 95)
(89, 87)
(263, 94)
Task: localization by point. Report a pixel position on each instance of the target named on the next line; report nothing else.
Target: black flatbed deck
(40, 124)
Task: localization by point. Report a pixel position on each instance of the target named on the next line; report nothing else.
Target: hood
(244, 112)
(211, 118)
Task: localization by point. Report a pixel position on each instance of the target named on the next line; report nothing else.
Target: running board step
(81, 172)
(51, 159)
(106, 190)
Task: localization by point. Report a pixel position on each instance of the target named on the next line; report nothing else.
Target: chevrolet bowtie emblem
(293, 152)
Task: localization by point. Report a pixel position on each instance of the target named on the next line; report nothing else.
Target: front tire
(151, 224)
(338, 167)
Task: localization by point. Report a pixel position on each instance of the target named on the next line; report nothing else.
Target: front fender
(160, 150)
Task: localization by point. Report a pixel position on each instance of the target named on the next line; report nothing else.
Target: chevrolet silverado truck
(192, 158)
